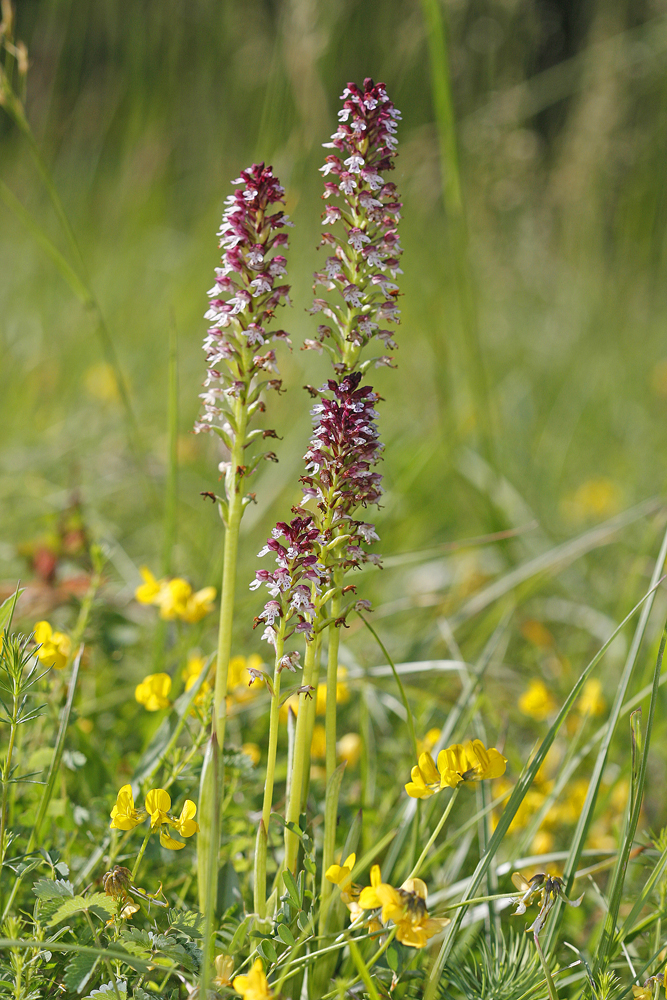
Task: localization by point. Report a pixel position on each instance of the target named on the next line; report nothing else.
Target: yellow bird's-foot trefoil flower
(406, 907)
(153, 692)
(537, 701)
(175, 598)
(255, 985)
(340, 875)
(461, 762)
(549, 888)
(54, 647)
(124, 816)
(647, 991)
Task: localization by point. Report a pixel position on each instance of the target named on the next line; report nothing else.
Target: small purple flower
(242, 304)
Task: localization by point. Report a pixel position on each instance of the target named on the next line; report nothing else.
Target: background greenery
(531, 391)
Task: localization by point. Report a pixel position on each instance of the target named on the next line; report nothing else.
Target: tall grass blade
(586, 815)
(602, 953)
(521, 788)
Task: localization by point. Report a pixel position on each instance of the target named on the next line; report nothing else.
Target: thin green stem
(301, 760)
(363, 970)
(235, 501)
(263, 831)
(404, 697)
(431, 840)
(140, 855)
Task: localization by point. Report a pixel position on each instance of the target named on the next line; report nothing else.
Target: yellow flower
(429, 741)
(100, 382)
(318, 743)
(252, 750)
(173, 598)
(349, 748)
(185, 824)
(340, 874)
(54, 647)
(158, 804)
(591, 701)
(255, 985)
(461, 762)
(191, 673)
(342, 692)
(369, 899)
(124, 816)
(199, 605)
(405, 906)
(168, 841)
(595, 498)
(537, 701)
(153, 692)
(224, 967)
(642, 992)
(148, 591)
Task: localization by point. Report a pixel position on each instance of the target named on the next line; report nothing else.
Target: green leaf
(240, 935)
(45, 888)
(189, 922)
(267, 951)
(79, 970)
(290, 885)
(99, 901)
(285, 935)
(7, 607)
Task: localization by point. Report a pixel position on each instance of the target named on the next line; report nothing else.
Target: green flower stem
(370, 963)
(263, 831)
(228, 586)
(142, 850)
(311, 714)
(551, 986)
(432, 838)
(300, 762)
(363, 970)
(330, 726)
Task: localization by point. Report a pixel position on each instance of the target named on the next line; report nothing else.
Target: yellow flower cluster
(175, 598)
(461, 762)
(124, 815)
(55, 648)
(538, 703)
(406, 906)
(153, 692)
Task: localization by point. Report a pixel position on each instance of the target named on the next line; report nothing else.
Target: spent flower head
(358, 278)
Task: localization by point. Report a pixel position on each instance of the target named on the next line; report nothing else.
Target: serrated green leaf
(79, 970)
(99, 901)
(189, 922)
(290, 885)
(45, 888)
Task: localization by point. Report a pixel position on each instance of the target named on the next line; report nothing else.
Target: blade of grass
(586, 815)
(523, 784)
(557, 557)
(618, 878)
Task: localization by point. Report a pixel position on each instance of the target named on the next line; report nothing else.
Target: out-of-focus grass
(146, 113)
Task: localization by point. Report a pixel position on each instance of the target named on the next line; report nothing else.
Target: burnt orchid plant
(240, 367)
(327, 538)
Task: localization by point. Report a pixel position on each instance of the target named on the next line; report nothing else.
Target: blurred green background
(531, 386)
